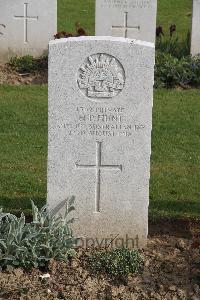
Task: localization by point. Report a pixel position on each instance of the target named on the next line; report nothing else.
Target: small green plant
(171, 43)
(174, 46)
(29, 64)
(118, 262)
(34, 244)
(171, 72)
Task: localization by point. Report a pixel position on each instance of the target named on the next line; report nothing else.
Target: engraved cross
(98, 167)
(125, 26)
(26, 18)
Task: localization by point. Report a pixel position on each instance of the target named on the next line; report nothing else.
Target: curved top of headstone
(102, 38)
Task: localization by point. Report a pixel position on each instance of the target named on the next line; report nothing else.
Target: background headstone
(135, 19)
(100, 120)
(195, 37)
(29, 26)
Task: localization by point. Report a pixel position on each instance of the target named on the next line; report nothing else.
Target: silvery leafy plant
(34, 244)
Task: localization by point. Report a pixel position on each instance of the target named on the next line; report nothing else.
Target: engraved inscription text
(126, 4)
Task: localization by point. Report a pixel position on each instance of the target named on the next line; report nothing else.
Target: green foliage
(171, 71)
(174, 46)
(117, 262)
(174, 65)
(29, 64)
(35, 244)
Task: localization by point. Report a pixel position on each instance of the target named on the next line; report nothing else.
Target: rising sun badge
(102, 76)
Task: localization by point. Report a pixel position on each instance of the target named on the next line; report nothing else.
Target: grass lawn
(175, 174)
(177, 12)
(23, 145)
(169, 12)
(175, 171)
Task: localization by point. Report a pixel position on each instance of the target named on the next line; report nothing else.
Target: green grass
(175, 171)
(177, 12)
(71, 12)
(23, 145)
(175, 174)
(82, 11)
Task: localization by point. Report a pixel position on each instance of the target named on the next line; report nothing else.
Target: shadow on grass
(183, 209)
(21, 204)
(173, 217)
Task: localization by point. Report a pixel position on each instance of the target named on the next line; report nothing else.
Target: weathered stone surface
(135, 19)
(100, 120)
(26, 27)
(195, 38)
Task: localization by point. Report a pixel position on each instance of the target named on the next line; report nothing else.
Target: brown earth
(9, 76)
(171, 271)
(183, 228)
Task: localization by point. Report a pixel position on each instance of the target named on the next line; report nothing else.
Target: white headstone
(100, 120)
(27, 27)
(195, 38)
(134, 19)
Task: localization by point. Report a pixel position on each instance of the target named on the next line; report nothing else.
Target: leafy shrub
(117, 262)
(171, 43)
(35, 244)
(171, 71)
(29, 64)
(174, 46)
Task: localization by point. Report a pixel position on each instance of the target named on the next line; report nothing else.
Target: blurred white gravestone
(28, 26)
(135, 19)
(195, 37)
(100, 120)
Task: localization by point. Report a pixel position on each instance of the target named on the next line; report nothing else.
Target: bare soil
(183, 228)
(171, 271)
(9, 76)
